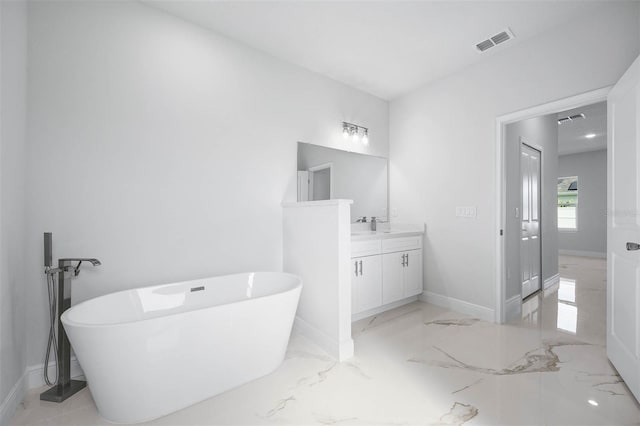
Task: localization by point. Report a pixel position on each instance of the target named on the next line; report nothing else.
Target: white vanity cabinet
(385, 270)
(402, 275)
(413, 273)
(401, 268)
(366, 275)
(366, 283)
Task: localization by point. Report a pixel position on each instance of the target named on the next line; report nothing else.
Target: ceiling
(572, 135)
(386, 48)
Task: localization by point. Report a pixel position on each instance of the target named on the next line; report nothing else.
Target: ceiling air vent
(482, 46)
(495, 40)
(570, 118)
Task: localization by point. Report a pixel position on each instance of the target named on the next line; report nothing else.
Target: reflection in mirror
(327, 173)
(567, 308)
(568, 202)
(531, 310)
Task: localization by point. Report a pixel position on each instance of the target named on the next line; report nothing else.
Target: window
(568, 203)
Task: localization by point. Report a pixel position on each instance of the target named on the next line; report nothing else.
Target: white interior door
(623, 228)
(530, 249)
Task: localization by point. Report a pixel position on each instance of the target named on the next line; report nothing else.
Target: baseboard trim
(551, 281)
(477, 311)
(35, 373)
(32, 378)
(383, 308)
(583, 253)
(13, 399)
(338, 350)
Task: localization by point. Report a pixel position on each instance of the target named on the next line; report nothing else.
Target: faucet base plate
(59, 393)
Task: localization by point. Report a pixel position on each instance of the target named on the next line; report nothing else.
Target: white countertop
(362, 231)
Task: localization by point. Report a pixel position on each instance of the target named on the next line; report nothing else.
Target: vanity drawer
(401, 244)
(365, 248)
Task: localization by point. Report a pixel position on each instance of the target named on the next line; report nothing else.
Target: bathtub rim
(65, 320)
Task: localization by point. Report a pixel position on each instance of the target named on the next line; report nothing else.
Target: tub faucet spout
(76, 270)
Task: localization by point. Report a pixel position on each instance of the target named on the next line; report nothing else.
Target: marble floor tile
(425, 365)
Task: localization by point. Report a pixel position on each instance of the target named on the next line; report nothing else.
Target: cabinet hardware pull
(403, 262)
(407, 259)
(633, 246)
(356, 262)
(361, 267)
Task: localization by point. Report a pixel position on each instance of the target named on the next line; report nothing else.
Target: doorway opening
(316, 183)
(508, 300)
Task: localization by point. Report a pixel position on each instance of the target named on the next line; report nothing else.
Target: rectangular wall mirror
(327, 173)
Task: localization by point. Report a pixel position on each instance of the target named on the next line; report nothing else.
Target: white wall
(443, 139)
(163, 149)
(591, 235)
(13, 51)
(540, 133)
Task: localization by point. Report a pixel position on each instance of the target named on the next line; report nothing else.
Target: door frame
(541, 190)
(318, 168)
(576, 101)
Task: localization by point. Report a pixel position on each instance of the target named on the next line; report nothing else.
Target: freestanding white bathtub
(150, 351)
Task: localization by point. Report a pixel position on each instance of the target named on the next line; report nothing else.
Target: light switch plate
(466, 211)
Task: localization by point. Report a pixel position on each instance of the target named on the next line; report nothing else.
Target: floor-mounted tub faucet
(64, 386)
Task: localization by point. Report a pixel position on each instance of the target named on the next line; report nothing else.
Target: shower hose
(52, 342)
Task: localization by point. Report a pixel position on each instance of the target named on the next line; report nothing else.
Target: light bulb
(355, 135)
(365, 138)
(590, 136)
(345, 131)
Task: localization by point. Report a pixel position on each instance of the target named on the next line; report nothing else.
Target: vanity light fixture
(357, 133)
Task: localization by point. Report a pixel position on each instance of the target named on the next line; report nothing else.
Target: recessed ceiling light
(592, 402)
(590, 136)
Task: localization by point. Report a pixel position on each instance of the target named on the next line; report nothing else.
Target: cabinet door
(413, 273)
(392, 277)
(366, 286)
(356, 283)
(370, 292)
